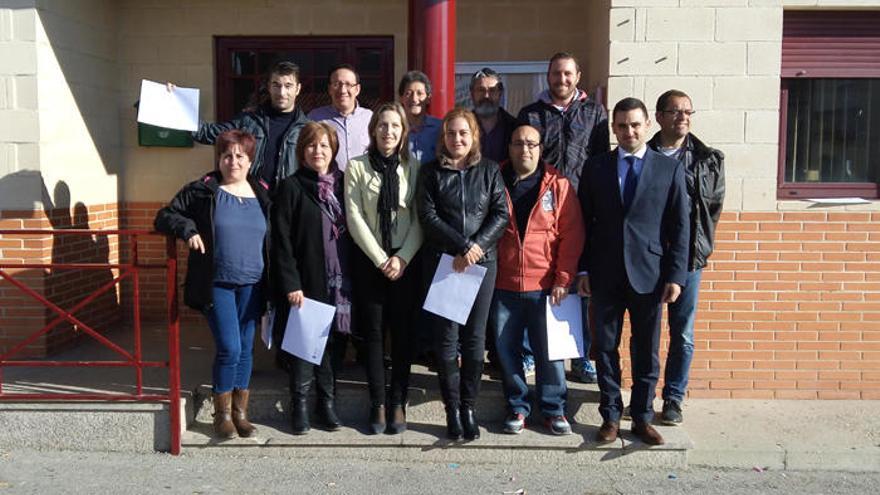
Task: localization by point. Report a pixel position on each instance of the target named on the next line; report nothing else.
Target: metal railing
(129, 270)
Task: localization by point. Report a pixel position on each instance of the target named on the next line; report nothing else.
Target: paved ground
(31, 472)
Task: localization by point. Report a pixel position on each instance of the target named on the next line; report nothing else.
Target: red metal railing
(129, 270)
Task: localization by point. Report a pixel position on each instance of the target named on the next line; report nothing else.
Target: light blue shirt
(423, 141)
(623, 165)
(352, 131)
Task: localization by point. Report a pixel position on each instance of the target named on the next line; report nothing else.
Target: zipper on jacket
(463, 206)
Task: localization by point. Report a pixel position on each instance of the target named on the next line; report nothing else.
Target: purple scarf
(337, 243)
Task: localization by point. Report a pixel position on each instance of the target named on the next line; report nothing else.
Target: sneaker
(514, 424)
(627, 414)
(584, 372)
(671, 413)
(558, 425)
(529, 365)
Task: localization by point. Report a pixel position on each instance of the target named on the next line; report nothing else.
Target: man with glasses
(537, 259)
(704, 174)
(496, 124)
(345, 114)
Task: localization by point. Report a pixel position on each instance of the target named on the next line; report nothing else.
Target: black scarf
(389, 192)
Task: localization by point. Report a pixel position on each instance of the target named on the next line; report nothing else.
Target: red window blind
(831, 44)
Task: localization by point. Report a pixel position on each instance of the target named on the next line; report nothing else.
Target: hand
(295, 298)
(393, 268)
(557, 295)
(459, 263)
(170, 86)
(583, 285)
(195, 243)
(671, 292)
(474, 254)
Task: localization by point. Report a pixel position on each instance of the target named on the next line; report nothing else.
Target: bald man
(543, 211)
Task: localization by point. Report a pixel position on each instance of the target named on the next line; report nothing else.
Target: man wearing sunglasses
(496, 124)
(345, 114)
(704, 174)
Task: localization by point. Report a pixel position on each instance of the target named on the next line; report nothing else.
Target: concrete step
(425, 437)
(425, 441)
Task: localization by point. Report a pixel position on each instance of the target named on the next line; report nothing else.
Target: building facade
(790, 304)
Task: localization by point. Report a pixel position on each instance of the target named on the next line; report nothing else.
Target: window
(241, 62)
(830, 105)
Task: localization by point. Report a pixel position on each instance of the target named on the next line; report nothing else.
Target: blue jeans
(681, 339)
(233, 319)
(514, 312)
(585, 361)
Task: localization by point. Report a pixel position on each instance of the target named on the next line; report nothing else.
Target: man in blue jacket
(635, 210)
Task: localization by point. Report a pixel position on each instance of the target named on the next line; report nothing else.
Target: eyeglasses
(679, 113)
(527, 144)
(343, 85)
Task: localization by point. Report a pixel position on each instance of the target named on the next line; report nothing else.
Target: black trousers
(609, 305)
(380, 305)
(462, 385)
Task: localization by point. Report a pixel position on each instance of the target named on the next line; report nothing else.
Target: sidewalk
(759, 434)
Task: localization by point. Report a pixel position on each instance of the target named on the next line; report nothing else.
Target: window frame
(225, 45)
(794, 70)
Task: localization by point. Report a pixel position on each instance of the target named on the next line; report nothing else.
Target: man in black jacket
(704, 174)
(273, 118)
(573, 128)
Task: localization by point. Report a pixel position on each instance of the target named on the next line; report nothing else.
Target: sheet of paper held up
(266, 323)
(452, 294)
(308, 327)
(565, 330)
(178, 109)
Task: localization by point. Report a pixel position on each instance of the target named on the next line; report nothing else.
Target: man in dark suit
(635, 209)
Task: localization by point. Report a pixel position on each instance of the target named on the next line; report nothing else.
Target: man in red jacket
(537, 259)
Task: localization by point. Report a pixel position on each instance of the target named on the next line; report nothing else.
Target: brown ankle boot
(223, 426)
(239, 413)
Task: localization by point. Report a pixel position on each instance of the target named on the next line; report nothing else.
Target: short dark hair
(564, 56)
(628, 104)
(313, 132)
(260, 96)
(230, 138)
(663, 100)
(411, 77)
(357, 78)
(284, 68)
(483, 73)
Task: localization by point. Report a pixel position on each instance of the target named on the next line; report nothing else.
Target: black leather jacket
(191, 212)
(458, 208)
(704, 174)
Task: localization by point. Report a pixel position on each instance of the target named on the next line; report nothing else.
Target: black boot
(453, 422)
(469, 424)
(396, 420)
(299, 415)
(377, 419)
(300, 382)
(326, 415)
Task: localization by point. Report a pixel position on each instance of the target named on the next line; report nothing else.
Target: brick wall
(20, 314)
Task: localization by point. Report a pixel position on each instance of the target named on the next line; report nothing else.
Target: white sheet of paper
(307, 330)
(178, 109)
(565, 329)
(452, 294)
(266, 323)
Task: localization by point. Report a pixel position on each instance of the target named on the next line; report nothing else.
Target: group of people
(354, 208)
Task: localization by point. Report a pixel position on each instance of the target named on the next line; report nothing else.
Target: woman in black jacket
(463, 209)
(310, 258)
(223, 219)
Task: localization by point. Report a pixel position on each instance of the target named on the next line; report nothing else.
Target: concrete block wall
(789, 302)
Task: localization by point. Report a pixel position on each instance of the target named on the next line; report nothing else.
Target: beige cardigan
(362, 185)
